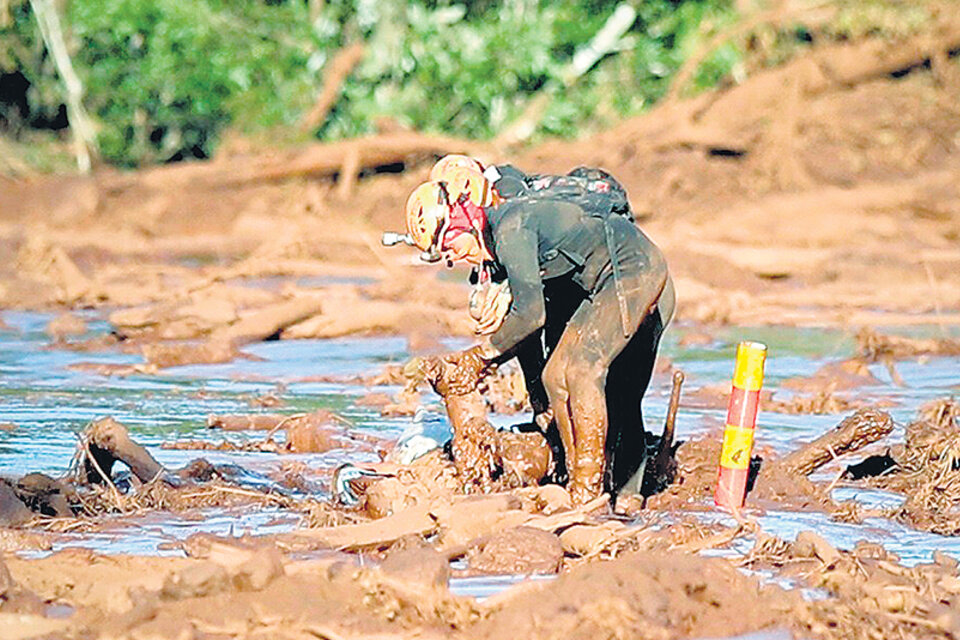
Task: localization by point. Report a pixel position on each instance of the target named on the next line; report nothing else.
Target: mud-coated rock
(523, 550)
(423, 566)
(196, 581)
(582, 540)
(259, 571)
(12, 510)
(813, 545)
(42, 494)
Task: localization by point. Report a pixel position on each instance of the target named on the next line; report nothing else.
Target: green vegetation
(164, 79)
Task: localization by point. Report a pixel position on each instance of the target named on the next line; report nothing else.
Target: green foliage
(164, 78)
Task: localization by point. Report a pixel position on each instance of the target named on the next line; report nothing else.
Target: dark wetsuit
(597, 190)
(556, 255)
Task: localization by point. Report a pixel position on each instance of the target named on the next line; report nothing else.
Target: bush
(164, 78)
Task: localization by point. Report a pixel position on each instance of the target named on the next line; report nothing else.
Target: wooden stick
(855, 432)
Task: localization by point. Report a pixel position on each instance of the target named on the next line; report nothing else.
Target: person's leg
(531, 358)
(579, 366)
(628, 378)
(555, 382)
(563, 298)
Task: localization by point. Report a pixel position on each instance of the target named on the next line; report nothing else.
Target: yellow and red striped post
(741, 423)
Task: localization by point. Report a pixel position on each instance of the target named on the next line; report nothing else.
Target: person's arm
(516, 248)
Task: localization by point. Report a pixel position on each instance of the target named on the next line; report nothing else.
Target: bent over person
(622, 297)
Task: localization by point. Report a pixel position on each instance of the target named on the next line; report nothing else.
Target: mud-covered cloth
(547, 244)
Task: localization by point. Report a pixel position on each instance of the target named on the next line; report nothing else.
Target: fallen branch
(107, 441)
(320, 160)
(266, 322)
(855, 432)
(340, 67)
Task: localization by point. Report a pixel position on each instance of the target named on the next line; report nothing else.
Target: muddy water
(49, 403)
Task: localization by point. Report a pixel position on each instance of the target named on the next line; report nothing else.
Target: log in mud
(862, 428)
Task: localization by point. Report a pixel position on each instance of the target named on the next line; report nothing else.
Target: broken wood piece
(249, 422)
(854, 432)
(376, 533)
(269, 321)
(664, 464)
(335, 75)
(108, 441)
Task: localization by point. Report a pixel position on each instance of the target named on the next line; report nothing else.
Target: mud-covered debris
(875, 347)
(13, 511)
(587, 540)
(196, 581)
(523, 550)
(835, 376)
(66, 324)
(819, 403)
(421, 565)
(927, 470)
(853, 433)
(867, 594)
(175, 354)
(245, 422)
(547, 499)
(45, 495)
(812, 545)
(824, 400)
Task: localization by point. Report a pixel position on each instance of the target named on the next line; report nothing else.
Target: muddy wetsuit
(617, 284)
(597, 190)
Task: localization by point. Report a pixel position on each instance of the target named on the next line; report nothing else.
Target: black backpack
(595, 190)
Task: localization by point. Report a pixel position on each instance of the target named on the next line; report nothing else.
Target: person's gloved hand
(489, 305)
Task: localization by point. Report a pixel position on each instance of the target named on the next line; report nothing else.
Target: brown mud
(617, 579)
(821, 192)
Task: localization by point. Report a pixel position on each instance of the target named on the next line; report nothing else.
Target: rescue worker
(622, 299)
(465, 177)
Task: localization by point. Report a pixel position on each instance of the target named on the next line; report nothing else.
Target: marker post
(741, 424)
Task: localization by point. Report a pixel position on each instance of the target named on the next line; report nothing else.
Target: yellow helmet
(463, 180)
(453, 161)
(427, 210)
